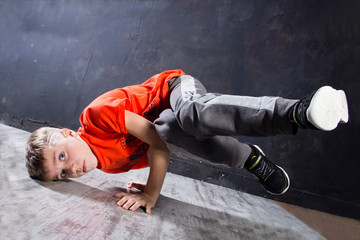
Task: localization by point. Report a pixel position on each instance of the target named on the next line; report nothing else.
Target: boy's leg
(205, 114)
(224, 150)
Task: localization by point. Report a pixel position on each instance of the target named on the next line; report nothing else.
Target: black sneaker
(272, 177)
(324, 109)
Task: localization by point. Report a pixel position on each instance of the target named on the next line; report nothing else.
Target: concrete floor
(85, 209)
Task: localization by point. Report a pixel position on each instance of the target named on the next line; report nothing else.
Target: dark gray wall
(56, 56)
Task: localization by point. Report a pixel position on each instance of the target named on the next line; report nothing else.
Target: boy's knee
(166, 125)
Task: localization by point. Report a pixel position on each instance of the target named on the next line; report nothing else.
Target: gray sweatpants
(200, 125)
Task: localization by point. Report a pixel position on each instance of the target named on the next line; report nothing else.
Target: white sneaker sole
(328, 108)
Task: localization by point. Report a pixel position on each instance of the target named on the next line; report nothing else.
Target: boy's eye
(62, 156)
(63, 173)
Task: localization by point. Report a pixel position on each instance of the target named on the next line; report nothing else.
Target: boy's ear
(67, 132)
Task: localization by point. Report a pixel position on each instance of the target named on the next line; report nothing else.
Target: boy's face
(68, 157)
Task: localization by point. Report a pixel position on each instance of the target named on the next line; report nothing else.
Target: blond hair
(38, 141)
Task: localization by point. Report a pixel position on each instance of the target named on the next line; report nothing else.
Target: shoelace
(264, 171)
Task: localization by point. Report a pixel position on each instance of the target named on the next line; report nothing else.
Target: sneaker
(324, 109)
(271, 177)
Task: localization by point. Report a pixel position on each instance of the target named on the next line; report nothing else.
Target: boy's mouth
(84, 167)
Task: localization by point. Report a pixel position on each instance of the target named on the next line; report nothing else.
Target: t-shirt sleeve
(106, 116)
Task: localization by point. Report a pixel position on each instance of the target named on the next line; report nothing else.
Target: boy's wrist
(153, 195)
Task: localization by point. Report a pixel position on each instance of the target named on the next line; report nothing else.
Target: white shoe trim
(288, 179)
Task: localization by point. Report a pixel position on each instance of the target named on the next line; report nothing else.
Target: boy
(173, 110)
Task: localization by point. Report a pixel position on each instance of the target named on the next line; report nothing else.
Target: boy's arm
(144, 130)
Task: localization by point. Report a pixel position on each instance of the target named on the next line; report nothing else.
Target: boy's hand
(133, 201)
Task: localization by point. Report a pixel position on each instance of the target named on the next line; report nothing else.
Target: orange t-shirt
(103, 122)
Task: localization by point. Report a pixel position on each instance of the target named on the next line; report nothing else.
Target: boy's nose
(73, 167)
